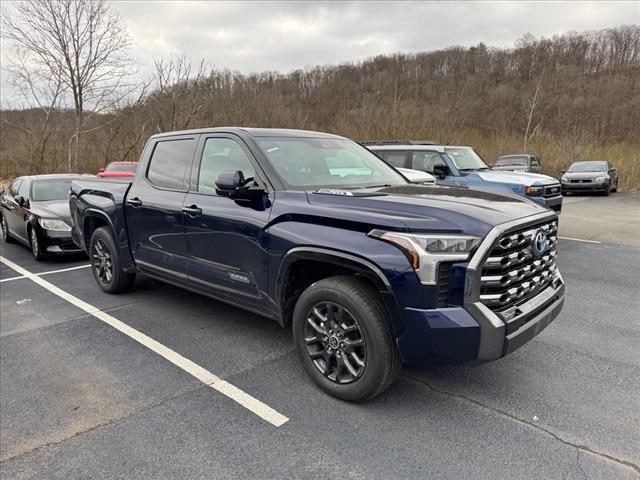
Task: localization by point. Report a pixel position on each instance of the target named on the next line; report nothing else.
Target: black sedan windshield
(588, 167)
(520, 160)
(326, 162)
(50, 189)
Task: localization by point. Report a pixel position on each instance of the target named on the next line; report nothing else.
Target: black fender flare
(343, 259)
(128, 264)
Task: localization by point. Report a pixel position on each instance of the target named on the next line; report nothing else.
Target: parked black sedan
(590, 176)
(35, 211)
(522, 162)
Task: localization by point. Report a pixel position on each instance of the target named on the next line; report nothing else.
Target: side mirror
(101, 170)
(440, 171)
(232, 184)
(563, 171)
(20, 200)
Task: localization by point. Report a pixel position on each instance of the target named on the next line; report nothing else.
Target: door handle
(192, 211)
(134, 202)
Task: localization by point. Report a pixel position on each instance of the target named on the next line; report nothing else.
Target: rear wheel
(342, 334)
(6, 236)
(615, 186)
(106, 265)
(36, 249)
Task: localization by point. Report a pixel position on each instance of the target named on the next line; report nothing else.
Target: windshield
(121, 167)
(502, 161)
(53, 189)
(588, 167)
(465, 158)
(326, 162)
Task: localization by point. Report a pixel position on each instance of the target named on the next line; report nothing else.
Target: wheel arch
(325, 262)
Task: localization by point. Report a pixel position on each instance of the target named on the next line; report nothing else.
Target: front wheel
(343, 336)
(36, 250)
(106, 265)
(6, 236)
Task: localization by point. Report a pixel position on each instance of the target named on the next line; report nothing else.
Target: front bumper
(552, 202)
(473, 333)
(57, 243)
(585, 187)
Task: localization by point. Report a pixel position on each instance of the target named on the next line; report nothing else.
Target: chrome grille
(550, 190)
(512, 274)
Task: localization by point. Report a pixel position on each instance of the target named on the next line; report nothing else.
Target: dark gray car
(522, 162)
(590, 176)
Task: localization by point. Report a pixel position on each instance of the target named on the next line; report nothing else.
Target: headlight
(533, 190)
(56, 225)
(602, 178)
(563, 179)
(425, 252)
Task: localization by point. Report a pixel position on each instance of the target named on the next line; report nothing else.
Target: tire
(36, 249)
(363, 318)
(6, 236)
(105, 263)
(615, 187)
(607, 190)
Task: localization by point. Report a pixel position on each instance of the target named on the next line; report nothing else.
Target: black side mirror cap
(20, 200)
(563, 171)
(440, 171)
(232, 184)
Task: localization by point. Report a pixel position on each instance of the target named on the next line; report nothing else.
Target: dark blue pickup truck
(316, 232)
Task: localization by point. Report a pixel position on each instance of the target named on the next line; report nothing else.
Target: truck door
(153, 207)
(224, 235)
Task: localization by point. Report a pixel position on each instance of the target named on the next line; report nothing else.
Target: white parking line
(45, 273)
(579, 240)
(252, 404)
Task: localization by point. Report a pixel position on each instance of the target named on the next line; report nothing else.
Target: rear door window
(396, 159)
(425, 161)
(170, 163)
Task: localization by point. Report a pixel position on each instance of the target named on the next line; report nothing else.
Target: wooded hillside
(575, 96)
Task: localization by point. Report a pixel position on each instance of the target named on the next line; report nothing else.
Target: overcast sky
(283, 36)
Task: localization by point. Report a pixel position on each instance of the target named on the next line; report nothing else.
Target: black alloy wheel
(335, 342)
(102, 262)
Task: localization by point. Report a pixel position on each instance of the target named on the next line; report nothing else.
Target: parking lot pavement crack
(100, 425)
(580, 447)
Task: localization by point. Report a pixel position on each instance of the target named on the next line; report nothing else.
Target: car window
(13, 189)
(170, 162)
(50, 189)
(466, 158)
(425, 161)
(23, 189)
(121, 167)
(221, 154)
(397, 159)
(512, 160)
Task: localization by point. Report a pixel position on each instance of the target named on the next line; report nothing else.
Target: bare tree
(531, 106)
(81, 42)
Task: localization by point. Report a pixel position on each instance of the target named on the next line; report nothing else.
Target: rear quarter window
(170, 163)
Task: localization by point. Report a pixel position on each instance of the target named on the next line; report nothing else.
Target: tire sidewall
(107, 240)
(367, 384)
(34, 244)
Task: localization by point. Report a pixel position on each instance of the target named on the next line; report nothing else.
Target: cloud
(284, 36)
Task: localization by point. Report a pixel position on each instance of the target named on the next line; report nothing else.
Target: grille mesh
(513, 274)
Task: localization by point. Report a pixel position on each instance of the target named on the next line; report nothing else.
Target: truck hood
(519, 178)
(58, 209)
(424, 208)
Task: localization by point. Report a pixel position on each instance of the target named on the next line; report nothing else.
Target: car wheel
(6, 236)
(343, 336)
(106, 265)
(36, 249)
(607, 190)
(615, 186)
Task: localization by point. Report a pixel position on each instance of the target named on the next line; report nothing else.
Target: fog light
(54, 249)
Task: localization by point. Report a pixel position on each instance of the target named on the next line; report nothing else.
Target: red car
(119, 169)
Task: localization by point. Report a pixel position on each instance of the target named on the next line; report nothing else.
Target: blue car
(462, 167)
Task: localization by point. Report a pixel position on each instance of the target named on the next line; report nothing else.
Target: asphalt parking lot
(81, 399)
